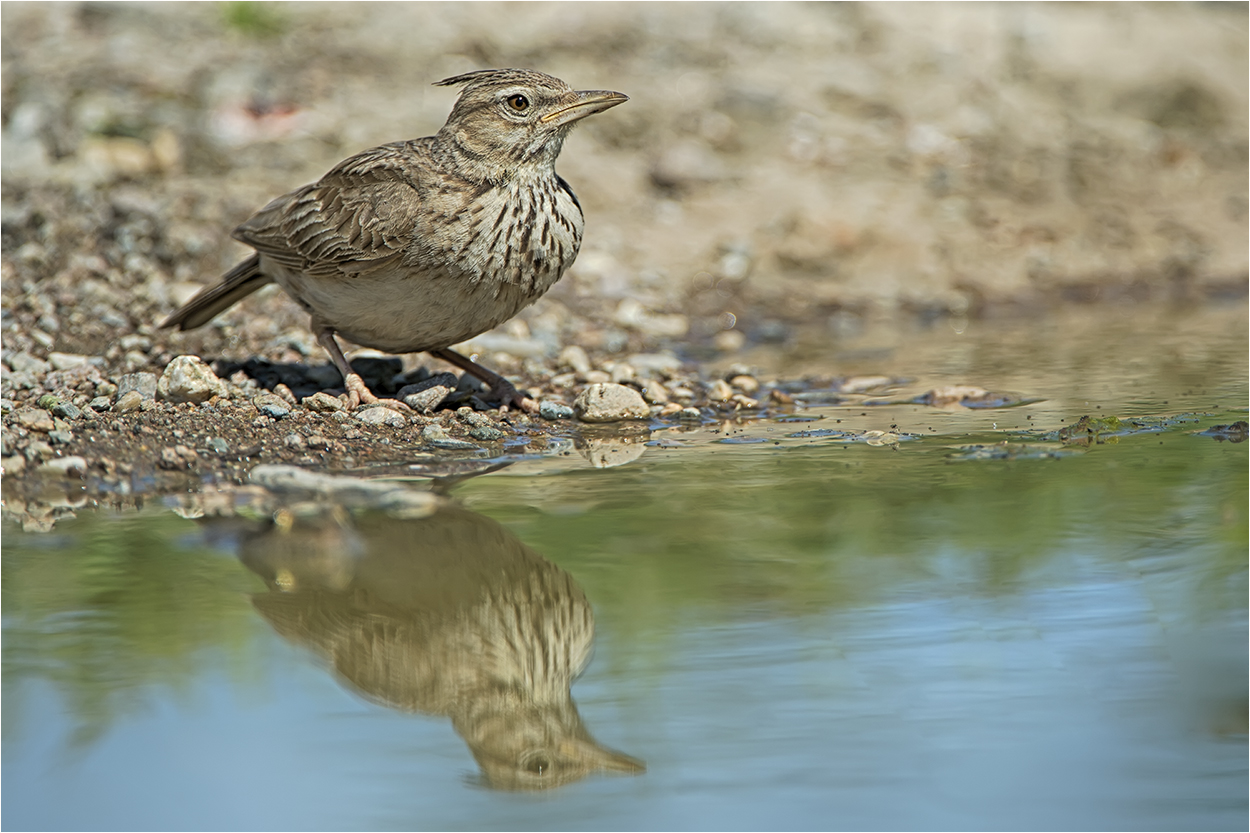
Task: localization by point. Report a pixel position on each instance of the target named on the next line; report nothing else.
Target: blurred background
(776, 161)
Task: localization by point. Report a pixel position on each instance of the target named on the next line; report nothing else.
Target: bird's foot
(509, 397)
(358, 392)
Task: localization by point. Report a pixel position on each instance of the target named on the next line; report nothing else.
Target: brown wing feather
(359, 216)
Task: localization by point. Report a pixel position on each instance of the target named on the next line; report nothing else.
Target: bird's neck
(479, 161)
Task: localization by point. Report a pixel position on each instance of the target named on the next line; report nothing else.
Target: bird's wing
(359, 217)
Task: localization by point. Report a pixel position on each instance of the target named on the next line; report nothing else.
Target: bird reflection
(446, 615)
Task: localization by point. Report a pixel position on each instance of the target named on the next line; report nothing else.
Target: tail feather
(236, 285)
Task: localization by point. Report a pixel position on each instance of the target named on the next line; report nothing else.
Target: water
(979, 626)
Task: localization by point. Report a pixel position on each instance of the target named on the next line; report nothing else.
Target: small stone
(60, 436)
(427, 395)
(128, 401)
(271, 405)
(317, 441)
(670, 408)
(382, 416)
(610, 403)
(486, 433)
(576, 358)
(188, 379)
(295, 440)
(729, 341)
(283, 391)
(13, 465)
(144, 383)
(68, 410)
(6, 406)
(550, 410)
(105, 389)
(472, 417)
(322, 403)
(35, 419)
(219, 446)
(39, 450)
(747, 384)
(454, 445)
(136, 341)
(64, 361)
(26, 363)
(690, 415)
(596, 377)
(431, 433)
(622, 373)
(100, 403)
(340, 416)
(655, 393)
(65, 466)
(720, 391)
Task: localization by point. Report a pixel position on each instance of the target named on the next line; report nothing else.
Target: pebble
(100, 403)
(271, 405)
(747, 384)
(61, 436)
(471, 417)
(690, 414)
(655, 393)
(427, 395)
(35, 419)
(433, 432)
(382, 416)
(576, 358)
(40, 450)
(26, 363)
(143, 383)
(219, 446)
(66, 409)
(720, 391)
(6, 406)
(64, 465)
(13, 465)
(547, 409)
(188, 379)
(486, 433)
(128, 401)
(322, 403)
(607, 402)
(64, 361)
(295, 440)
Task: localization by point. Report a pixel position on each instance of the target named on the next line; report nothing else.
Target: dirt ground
(776, 164)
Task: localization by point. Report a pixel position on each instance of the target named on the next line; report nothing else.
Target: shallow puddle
(870, 614)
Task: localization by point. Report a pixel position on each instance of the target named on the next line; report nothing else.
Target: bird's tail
(237, 284)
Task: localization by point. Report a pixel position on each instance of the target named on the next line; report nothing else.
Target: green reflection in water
(760, 531)
(107, 607)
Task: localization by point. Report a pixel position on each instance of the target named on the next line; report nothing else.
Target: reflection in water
(446, 615)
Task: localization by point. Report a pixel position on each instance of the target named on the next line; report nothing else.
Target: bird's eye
(518, 103)
(536, 764)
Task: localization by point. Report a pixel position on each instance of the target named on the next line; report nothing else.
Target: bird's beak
(589, 753)
(586, 103)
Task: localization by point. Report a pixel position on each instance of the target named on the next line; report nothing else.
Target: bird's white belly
(482, 279)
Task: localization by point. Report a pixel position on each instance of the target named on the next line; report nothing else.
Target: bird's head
(509, 120)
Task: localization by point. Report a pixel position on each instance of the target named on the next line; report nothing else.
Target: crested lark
(415, 246)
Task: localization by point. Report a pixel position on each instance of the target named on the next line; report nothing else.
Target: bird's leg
(357, 391)
(503, 389)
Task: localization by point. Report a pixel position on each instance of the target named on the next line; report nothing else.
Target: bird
(417, 245)
(447, 615)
